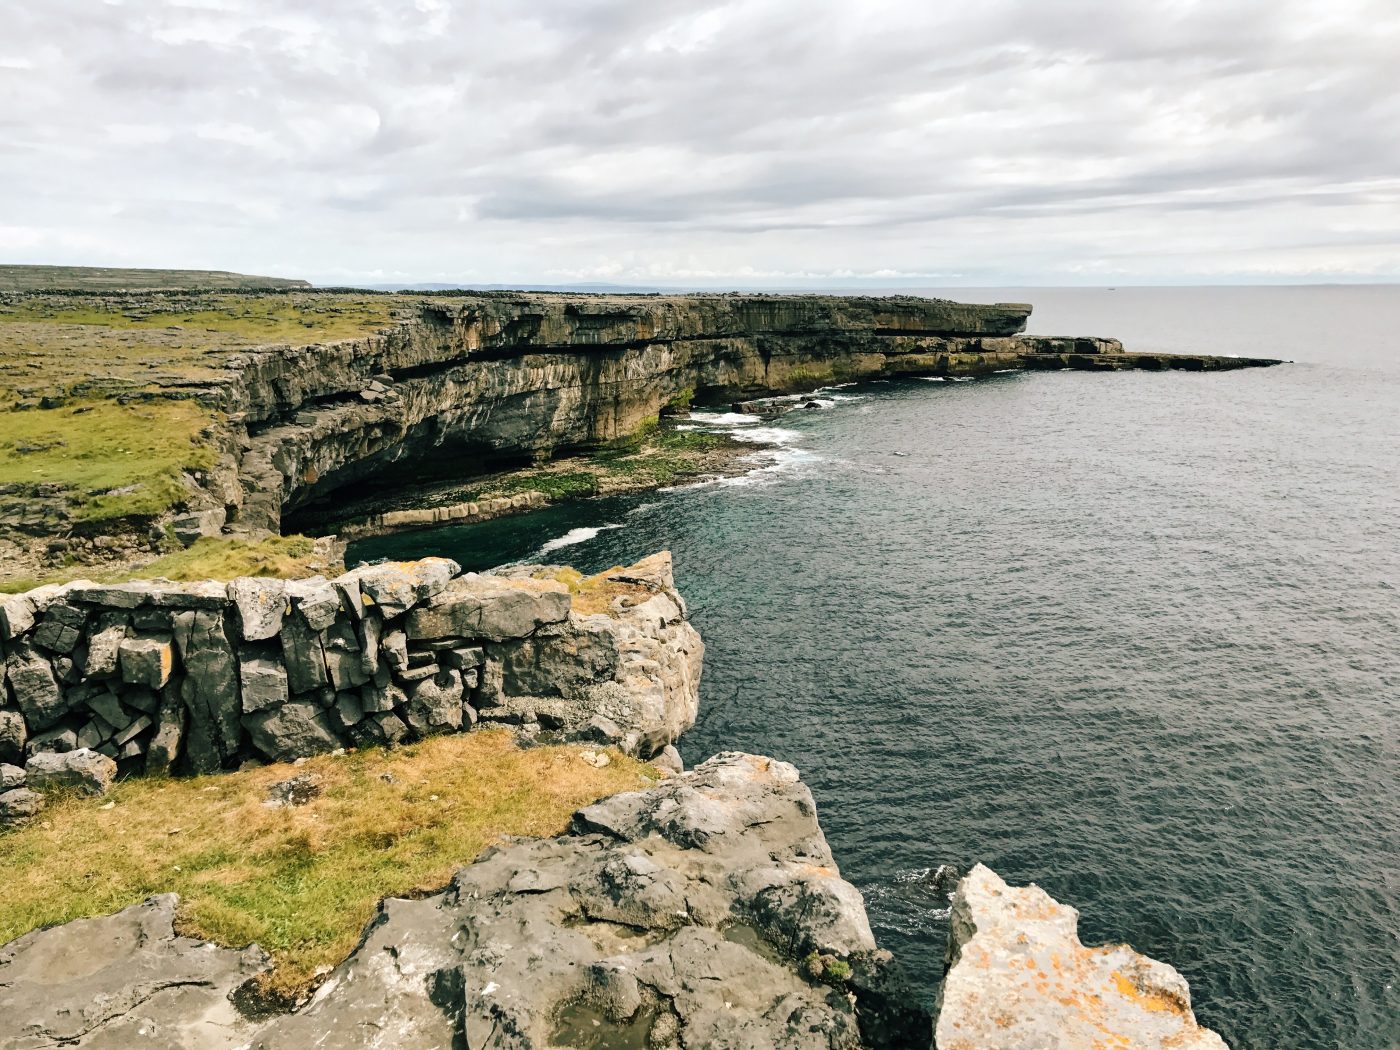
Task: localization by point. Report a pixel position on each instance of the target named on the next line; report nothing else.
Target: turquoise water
(1134, 637)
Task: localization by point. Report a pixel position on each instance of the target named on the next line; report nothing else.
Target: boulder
(146, 661)
(261, 604)
(489, 608)
(395, 587)
(164, 748)
(435, 704)
(209, 690)
(61, 628)
(263, 682)
(13, 735)
(35, 688)
(10, 776)
(125, 980)
(103, 651)
(198, 524)
(59, 739)
(303, 656)
(316, 600)
(294, 730)
(17, 806)
(1019, 979)
(16, 616)
(80, 770)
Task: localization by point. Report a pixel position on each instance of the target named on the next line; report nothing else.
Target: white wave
(724, 419)
(1003, 371)
(642, 508)
(962, 379)
(933, 379)
(689, 426)
(767, 435)
(573, 536)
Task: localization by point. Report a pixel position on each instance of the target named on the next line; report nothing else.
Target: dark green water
(1134, 637)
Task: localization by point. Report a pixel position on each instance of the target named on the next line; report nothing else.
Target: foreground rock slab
(122, 981)
(1021, 980)
(702, 911)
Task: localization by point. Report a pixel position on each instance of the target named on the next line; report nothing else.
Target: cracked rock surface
(124, 980)
(1021, 980)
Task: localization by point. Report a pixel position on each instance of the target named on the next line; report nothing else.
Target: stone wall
(200, 677)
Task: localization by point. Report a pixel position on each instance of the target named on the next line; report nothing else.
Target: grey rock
(317, 600)
(125, 980)
(396, 587)
(348, 709)
(16, 616)
(394, 648)
(17, 806)
(146, 661)
(303, 656)
(1020, 979)
(35, 688)
(141, 699)
(103, 649)
(262, 680)
(386, 697)
(106, 705)
(10, 776)
(465, 658)
(261, 604)
(13, 734)
(670, 759)
(61, 628)
(93, 734)
(129, 734)
(435, 704)
(419, 673)
(379, 728)
(80, 770)
(163, 751)
(345, 665)
(490, 608)
(198, 524)
(210, 689)
(59, 739)
(294, 730)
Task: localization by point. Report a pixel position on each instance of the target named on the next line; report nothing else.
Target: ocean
(1132, 636)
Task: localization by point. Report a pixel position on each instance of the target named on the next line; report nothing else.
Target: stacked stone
(464, 512)
(163, 677)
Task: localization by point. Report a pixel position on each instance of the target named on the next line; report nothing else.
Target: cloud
(708, 141)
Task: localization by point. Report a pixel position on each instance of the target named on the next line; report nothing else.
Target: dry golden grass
(595, 594)
(300, 881)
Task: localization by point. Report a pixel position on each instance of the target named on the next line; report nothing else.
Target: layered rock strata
(484, 381)
(1020, 979)
(200, 677)
(705, 911)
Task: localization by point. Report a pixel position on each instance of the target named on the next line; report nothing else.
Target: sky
(688, 142)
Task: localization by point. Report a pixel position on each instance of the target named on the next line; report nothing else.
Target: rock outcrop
(489, 380)
(199, 677)
(705, 911)
(1019, 979)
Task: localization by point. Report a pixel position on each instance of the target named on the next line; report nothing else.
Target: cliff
(492, 380)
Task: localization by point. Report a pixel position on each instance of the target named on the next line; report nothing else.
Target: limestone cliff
(494, 379)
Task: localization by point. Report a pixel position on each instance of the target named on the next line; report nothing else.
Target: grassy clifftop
(102, 278)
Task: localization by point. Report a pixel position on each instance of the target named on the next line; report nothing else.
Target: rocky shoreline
(706, 910)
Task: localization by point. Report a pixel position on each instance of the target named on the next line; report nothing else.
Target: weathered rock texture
(1020, 980)
(696, 913)
(199, 677)
(489, 379)
(122, 981)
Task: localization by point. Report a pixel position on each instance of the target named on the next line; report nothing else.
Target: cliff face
(490, 380)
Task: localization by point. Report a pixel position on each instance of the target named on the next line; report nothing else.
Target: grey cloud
(582, 136)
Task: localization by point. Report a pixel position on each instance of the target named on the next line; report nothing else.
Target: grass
(100, 278)
(211, 558)
(300, 881)
(593, 594)
(115, 460)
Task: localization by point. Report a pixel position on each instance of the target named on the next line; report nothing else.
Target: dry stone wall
(163, 676)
